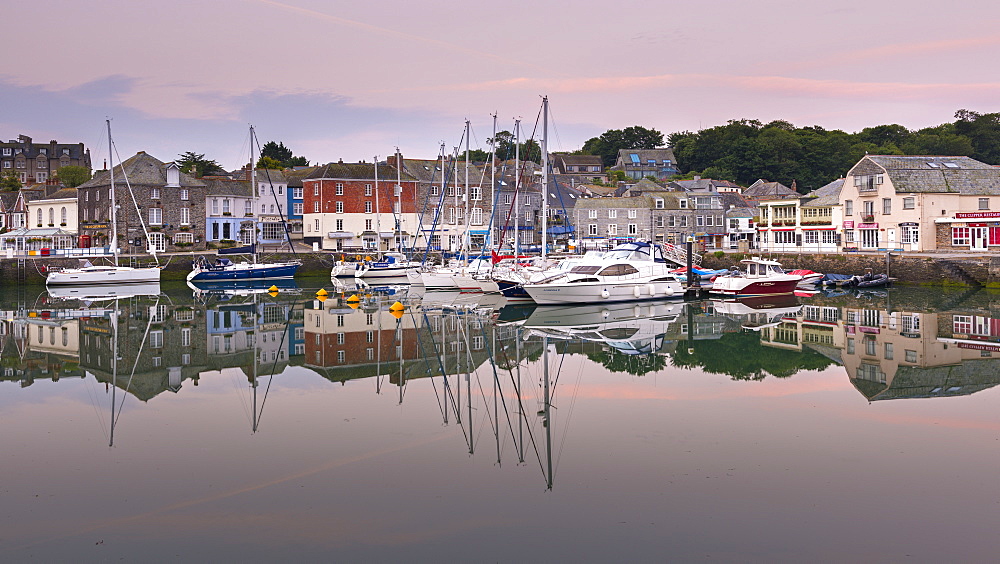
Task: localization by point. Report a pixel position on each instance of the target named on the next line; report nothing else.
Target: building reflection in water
(503, 363)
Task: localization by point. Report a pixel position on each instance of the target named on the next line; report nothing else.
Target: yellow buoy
(321, 298)
(354, 305)
(274, 294)
(273, 288)
(397, 313)
(396, 307)
(320, 292)
(354, 298)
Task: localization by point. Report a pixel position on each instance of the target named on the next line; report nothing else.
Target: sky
(356, 80)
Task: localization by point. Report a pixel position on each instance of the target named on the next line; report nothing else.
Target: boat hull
(244, 271)
(102, 275)
(750, 288)
(600, 292)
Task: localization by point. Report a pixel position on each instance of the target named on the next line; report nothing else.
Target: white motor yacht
(631, 271)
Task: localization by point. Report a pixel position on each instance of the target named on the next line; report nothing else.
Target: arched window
(62, 215)
(39, 217)
(52, 216)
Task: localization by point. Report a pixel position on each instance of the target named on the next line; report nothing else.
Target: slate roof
(740, 206)
(632, 202)
(923, 174)
(624, 155)
(141, 169)
(826, 196)
(60, 194)
(295, 176)
(220, 186)
(355, 171)
(8, 200)
(764, 190)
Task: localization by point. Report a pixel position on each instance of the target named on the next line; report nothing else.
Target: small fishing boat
(390, 265)
(809, 277)
(758, 277)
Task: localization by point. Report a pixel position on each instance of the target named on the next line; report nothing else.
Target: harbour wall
(950, 270)
(929, 270)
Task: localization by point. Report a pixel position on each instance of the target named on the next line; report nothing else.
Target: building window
(368, 224)
(156, 216)
(683, 203)
(984, 203)
(592, 229)
(612, 214)
(297, 208)
(475, 193)
(960, 236)
(316, 189)
(368, 206)
(368, 189)
(910, 234)
(633, 229)
(612, 229)
(886, 205)
(185, 216)
(632, 214)
(848, 207)
(339, 207)
(477, 216)
(315, 206)
(185, 195)
(592, 214)
(811, 236)
(339, 189)
(154, 193)
(316, 225)
(339, 224)
(183, 238)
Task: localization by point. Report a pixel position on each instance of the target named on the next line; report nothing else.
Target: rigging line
(93, 403)
(135, 203)
(270, 185)
(274, 365)
(570, 411)
(496, 376)
(142, 344)
(437, 355)
(552, 125)
(520, 405)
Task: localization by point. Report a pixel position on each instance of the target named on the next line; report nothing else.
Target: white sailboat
(107, 274)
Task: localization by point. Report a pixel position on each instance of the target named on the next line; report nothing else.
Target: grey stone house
(171, 204)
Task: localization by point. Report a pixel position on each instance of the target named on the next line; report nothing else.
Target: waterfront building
(169, 200)
(340, 207)
(809, 223)
(921, 203)
(229, 211)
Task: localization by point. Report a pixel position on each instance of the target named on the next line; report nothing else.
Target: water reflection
(488, 365)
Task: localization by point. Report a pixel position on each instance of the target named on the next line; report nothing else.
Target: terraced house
(38, 162)
(809, 223)
(919, 203)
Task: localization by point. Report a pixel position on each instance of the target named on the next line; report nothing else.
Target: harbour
(388, 422)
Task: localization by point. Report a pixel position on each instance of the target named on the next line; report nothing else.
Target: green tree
(9, 181)
(72, 176)
(504, 144)
(269, 163)
(196, 163)
(283, 155)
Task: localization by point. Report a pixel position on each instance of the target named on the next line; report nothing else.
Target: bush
(719, 254)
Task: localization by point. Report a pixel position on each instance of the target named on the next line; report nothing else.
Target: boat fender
(668, 291)
(636, 291)
(651, 289)
(605, 294)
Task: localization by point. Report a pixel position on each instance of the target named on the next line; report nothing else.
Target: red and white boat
(757, 277)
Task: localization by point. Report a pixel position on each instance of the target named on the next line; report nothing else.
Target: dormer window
(173, 175)
(66, 152)
(43, 151)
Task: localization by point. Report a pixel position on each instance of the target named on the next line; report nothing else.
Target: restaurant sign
(976, 215)
(848, 225)
(867, 226)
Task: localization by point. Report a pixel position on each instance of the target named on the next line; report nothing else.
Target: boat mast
(378, 216)
(256, 196)
(545, 173)
(398, 213)
(548, 411)
(493, 177)
(466, 243)
(517, 186)
(114, 206)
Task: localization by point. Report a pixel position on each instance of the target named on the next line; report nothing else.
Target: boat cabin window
(619, 270)
(586, 269)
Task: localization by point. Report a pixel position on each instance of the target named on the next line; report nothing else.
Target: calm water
(252, 427)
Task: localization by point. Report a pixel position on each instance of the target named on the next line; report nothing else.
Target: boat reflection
(480, 360)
